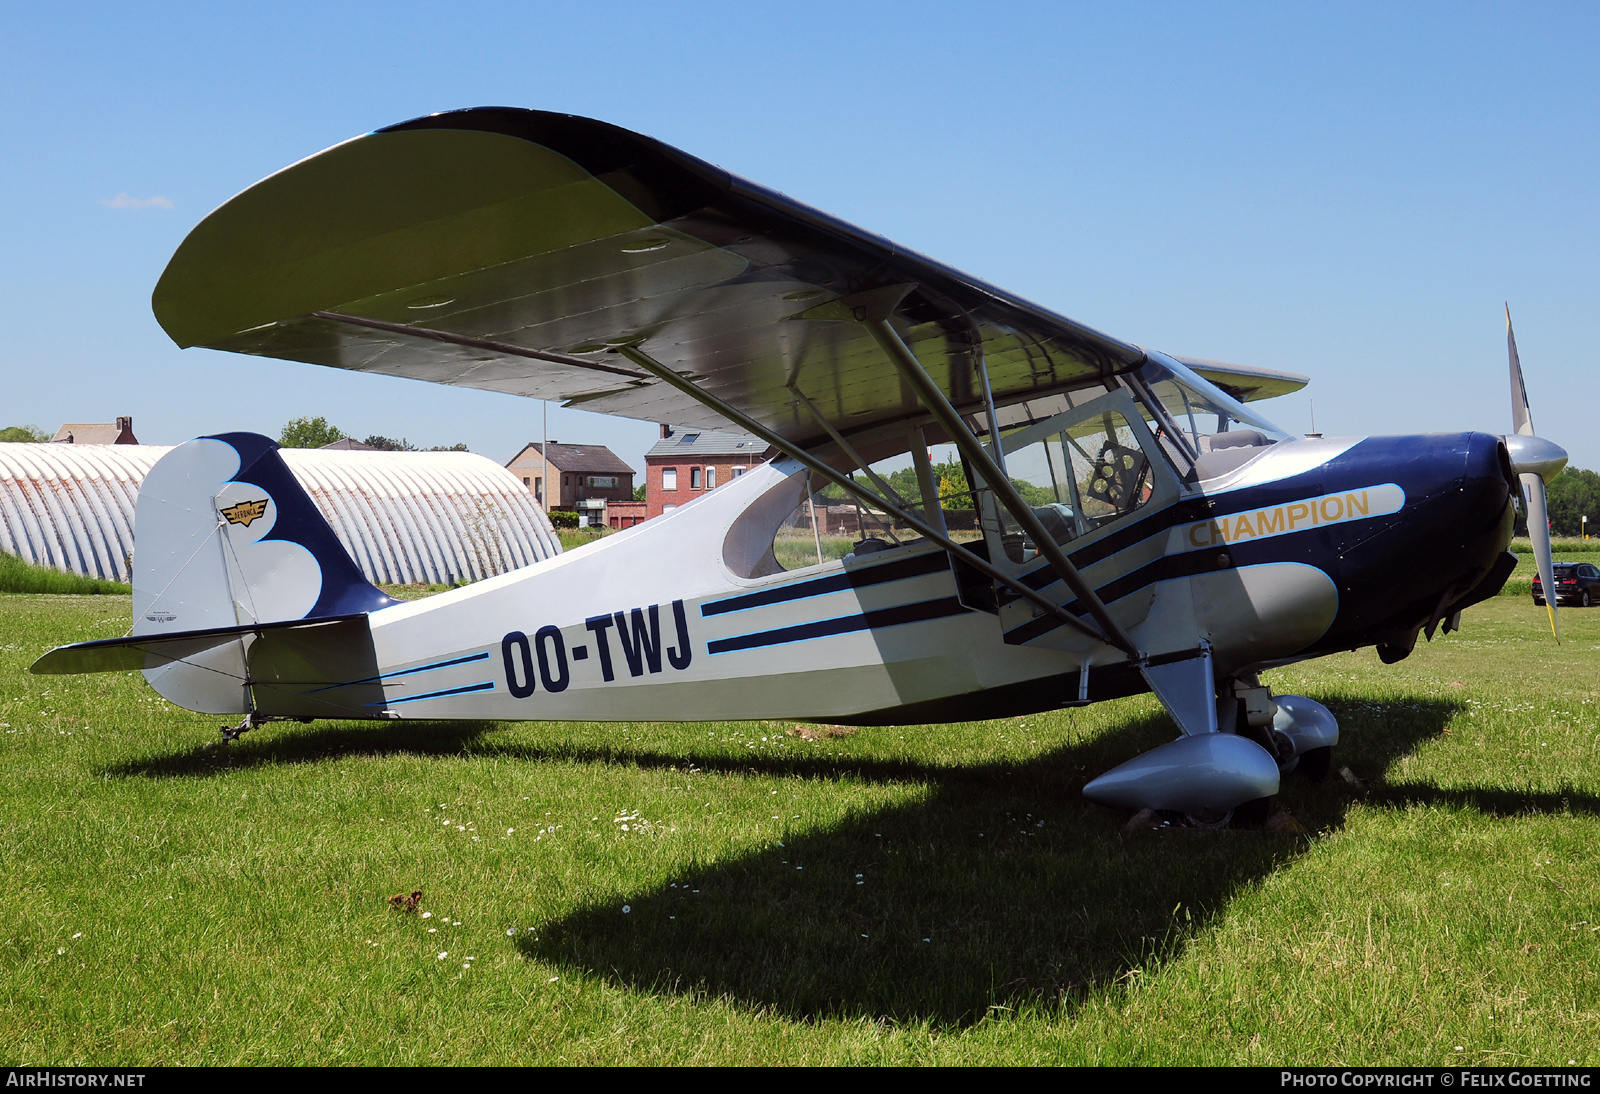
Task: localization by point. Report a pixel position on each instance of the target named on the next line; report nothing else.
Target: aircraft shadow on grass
(997, 887)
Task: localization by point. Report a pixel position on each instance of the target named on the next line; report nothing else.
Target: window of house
(737, 471)
(694, 478)
(525, 481)
(711, 478)
(669, 478)
(665, 509)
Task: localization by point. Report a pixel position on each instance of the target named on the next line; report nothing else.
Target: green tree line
(318, 432)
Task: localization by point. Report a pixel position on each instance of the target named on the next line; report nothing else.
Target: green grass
(168, 903)
(17, 576)
(577, 537)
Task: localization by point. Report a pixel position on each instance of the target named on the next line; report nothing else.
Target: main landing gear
(1212, 779)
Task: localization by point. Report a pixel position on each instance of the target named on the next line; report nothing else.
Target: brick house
(587, 479)
(686, 463)
(97, 432)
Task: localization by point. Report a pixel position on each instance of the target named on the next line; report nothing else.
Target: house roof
(96, 433)
(590, 459)
(347, 444)
(700, 443)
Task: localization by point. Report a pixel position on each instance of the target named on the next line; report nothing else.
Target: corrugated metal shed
(405, 517)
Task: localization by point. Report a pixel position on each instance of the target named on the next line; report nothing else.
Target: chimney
(666, 431)
(125, 431)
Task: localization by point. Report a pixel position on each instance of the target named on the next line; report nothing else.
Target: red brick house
(686, 463)
(588, 479)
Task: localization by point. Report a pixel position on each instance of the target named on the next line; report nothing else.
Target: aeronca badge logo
(1297, 516)
(245, 512)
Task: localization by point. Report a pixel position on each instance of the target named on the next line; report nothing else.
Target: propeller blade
(1536, 461)
(1521, 417)
(1539, 532)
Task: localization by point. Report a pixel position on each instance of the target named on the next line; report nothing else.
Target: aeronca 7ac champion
(1126, 522)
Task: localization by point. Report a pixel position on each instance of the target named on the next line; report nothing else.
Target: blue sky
(1342, 190)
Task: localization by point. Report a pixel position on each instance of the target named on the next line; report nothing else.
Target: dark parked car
(1576, 583)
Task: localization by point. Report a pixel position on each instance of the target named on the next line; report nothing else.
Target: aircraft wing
(1245, 382)
(511, 250)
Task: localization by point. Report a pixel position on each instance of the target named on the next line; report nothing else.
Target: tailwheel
(233, 733)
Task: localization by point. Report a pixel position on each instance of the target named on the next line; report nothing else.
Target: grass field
(735, 893)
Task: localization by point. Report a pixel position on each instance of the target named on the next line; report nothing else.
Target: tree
(638, 492)
(309, 433)
(30, 433)
(389, 444)
(1574, 494)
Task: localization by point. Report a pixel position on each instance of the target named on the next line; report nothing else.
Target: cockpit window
(1221, 431)
(1203, 411)
(1078, 472)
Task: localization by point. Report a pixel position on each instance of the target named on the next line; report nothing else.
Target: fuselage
(1310, 547)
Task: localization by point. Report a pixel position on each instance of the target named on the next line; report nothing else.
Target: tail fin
(225, 536)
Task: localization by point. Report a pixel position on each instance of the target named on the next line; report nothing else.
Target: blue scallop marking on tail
(345, 590)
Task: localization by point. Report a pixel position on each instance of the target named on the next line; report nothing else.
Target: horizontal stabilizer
(139, 652)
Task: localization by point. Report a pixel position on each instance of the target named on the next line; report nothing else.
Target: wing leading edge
(514, 250)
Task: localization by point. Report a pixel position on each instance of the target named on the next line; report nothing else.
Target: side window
(1078, 472)
(669, 478)
(694, 478)
(711, 478)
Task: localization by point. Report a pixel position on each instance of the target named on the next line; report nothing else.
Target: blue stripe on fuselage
(852, 578)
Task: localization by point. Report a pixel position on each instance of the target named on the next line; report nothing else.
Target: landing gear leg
(1299, 733)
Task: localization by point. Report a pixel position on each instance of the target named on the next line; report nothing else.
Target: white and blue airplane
(1133, 524)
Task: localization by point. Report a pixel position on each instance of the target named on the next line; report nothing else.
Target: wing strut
(872, 309)
(849, 449)
(475, 343)
(755, 428)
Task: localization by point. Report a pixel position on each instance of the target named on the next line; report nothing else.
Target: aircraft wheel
(1283, 749)
(1210, 818)
(1253, 813)
(1316, 763)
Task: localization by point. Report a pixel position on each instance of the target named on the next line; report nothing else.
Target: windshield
(1202, 411)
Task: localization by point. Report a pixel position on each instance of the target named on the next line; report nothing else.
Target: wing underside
(514, 251)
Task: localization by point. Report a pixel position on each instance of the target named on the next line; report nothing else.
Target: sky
(1347, 191)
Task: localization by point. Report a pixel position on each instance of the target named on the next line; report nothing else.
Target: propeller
(1535, 461)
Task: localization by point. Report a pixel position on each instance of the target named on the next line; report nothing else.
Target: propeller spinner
(1535, 461)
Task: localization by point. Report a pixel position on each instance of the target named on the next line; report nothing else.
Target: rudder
(225, 535)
